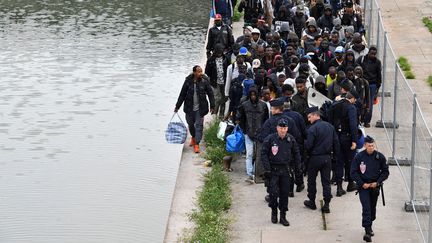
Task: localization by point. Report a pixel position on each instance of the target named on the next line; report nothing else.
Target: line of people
(261, 81)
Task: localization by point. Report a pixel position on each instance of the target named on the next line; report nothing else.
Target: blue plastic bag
(235, 142)
(176, 132)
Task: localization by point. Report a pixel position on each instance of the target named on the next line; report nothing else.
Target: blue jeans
(249, 155)
(373, 93)
(196, 124)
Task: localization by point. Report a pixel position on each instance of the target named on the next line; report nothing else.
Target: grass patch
(429, 80)
(406, 67)
(427, 21)
(211, 219)
(236, 15)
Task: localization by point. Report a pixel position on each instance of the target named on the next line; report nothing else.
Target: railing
(406, 129)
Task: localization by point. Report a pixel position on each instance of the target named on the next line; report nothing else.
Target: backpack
(236, 88)
(331, 112)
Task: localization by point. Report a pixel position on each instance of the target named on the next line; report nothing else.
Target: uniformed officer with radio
(369, 169)
(279, 152)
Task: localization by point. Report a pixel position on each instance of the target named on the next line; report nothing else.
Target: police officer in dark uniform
(322, 141)
(369, 169)
(269, 127)
(279, 153)
(345, 123)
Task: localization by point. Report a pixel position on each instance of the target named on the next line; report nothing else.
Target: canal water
(87, 88)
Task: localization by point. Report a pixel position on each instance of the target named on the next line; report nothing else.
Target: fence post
(383, 76)
(394, 110)
(370, 22)
(430, 197)
(413, 145)
(378, 31)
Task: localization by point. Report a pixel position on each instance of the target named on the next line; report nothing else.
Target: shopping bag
(221, 130)
(176, 131)
(235, 142)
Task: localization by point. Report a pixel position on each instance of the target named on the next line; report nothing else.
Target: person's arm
(310, 140)
(241, 118)
(228, 79)
(264, 154)
(355, 173)
(210, 95)
(265, 131)
(367, 93)
(297, 157)
(384, 170)
(182, 96)
(352, 116)
(336, 145)
(379, 77)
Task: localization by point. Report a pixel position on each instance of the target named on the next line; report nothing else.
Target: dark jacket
(252, 9)
(362, 87)
(322, 139)
(371, 70)
(279, 152)
(203, 89)
(376, 168)
(223, 36)
(211, 70)
(301, 104)
(252, 115)
(345, 120)
(270, 124)
(325, 22)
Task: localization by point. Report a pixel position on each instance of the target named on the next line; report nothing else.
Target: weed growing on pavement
(429, 80)
(406, 67)
(236, 15)
(427, 21)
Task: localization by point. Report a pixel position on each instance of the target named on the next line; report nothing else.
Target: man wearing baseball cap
(219, 34)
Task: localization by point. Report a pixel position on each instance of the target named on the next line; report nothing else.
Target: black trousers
(278, 188)
(321, 164)
(368, 199)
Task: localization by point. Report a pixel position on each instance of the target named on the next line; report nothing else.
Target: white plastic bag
(221, 130)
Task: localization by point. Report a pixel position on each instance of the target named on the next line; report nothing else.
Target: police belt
(279, 167)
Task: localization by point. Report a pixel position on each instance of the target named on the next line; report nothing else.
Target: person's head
(269, 83)
(349, 73)
(304, 69)
(339, 52)
(301, 84)
(349, 56)
(311, 28)
(236, 48)
(358, 71)
(369, 144)
(357, 40)
(345, 86)
(197, 72)
(287, 90)
(276, 37)
(269, 38)
(294, 61)
(256, 34)
(247, 38)
(320, 83)
(340, 76)
(218, 50)
(282, 127)
(242, 68)
(260, 52)
(324, 45)
(349, 32)
(276, 106)
(281, 79)
(372, 52)
(291, 50)
(218, 20)
(317, 40)
(276, 48)
(269, 52)
(335, 37)
(279, 64)
(265, 94)
(313, 114)
(327, 10)
(240, 60)
(253, 94)
(332, 72)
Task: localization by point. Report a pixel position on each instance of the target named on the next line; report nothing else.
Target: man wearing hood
(349, 17)
(224, 8)
(326, 20)
(325, 56)
(195, 90)
(335, 41)
(299, 20)
(256, 38)
(283, 16)
(335, 89)
(308, 35)
(358, 48)
(362, 88)
(318, 10)
(251, 116)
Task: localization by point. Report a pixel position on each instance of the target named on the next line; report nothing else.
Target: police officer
(279, 153)
(369, 169)
(344, 121)
(269, 127)
(321, 142)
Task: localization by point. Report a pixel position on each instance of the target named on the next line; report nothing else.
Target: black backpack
(332, 112)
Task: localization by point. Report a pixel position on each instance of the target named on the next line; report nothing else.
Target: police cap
(313, 109)
(282, 122)
(369, 139)
(276, 102)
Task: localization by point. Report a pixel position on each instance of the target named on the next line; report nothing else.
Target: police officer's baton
(382, 194)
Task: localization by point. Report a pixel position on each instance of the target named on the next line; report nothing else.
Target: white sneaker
(250, 179)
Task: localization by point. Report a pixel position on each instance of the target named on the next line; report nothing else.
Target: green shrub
(210, 136)
(403, 63)
(429, 80)
(409, 75)
(427, 21)
(236, 15)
